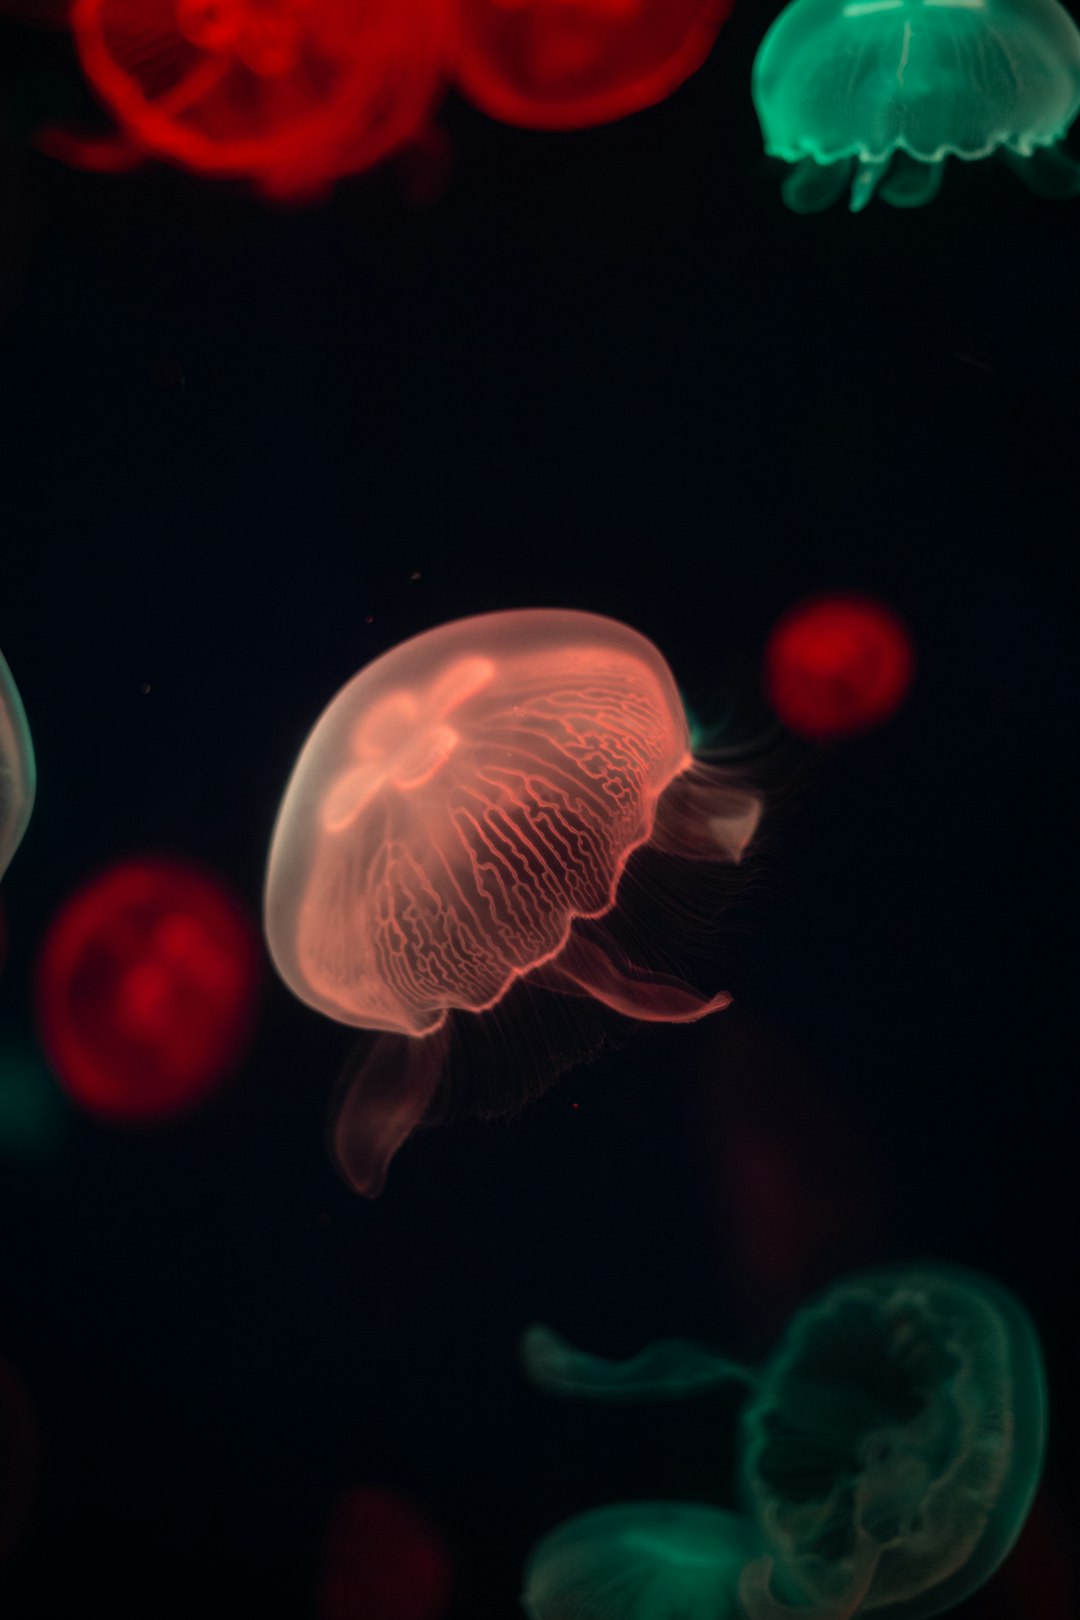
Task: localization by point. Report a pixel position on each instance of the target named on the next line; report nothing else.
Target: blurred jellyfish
(640, 1561)
(383, 1559)
(147, 983)
(17, 772)
(837, 666)
(461, 818)
(889, 1453)
(289, 93)
(877, 94)
(566, 64)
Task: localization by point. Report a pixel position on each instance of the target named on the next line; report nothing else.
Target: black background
(245, 448)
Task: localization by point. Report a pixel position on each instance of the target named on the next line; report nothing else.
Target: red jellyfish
(836, 666)
(147, 984)
(289, 93)
(460, 812)
(383, 1560)
(566, 64)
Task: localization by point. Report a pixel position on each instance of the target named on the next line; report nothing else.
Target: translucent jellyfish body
(878, 94)
(461, 807)
(566, 64)
(17, 773)
(147, 982)
(289, 93)
(889, 1453)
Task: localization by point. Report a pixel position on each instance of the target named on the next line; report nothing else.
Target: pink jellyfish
(460, 812)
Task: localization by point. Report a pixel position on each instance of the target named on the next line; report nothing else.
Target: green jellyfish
(879, 93)
(17, 774)
(888, 1454)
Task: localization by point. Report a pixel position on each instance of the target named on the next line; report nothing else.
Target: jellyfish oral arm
(382, 1105)
(584, 968)
(669, 1370)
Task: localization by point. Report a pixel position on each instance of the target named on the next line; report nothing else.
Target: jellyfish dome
(878, 94)
(17, 772)
(893, 1450)
(290, 93)
(567, 64)
(467, 800)
(639, 1561)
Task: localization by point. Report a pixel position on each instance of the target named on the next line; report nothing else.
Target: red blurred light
(289, 93)
(384, 1560)
(566, 64)
(836, 666)
(146, 989)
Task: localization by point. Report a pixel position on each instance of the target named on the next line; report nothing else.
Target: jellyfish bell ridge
(458, 804)
(919, 1394)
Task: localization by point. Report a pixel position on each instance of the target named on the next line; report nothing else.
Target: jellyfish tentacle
(1049, 171)
(667, 1370)
(911, 183)
(584, 967)
(869, 172)
(812, 187)
(703, 815)
(381, 1103)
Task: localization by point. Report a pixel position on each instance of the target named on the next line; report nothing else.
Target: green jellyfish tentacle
(1048, 172)
(668, 1370)
(640, 1561)
(911, 184)
(811, 187)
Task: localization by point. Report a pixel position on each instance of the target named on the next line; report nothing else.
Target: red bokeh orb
(383, 1560)
(567, 64)
(147, 982)
(836, 666)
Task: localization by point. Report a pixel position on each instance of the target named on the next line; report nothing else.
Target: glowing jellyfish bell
(889, 1453)
(147, 983)
(566, 64)
(893, 1451)
(289, 93)
(460, 808)
(878, 94)
(17, 772)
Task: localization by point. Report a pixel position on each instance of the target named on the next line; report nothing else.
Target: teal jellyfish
(879, 93)
(888, 1455)
(17, 775)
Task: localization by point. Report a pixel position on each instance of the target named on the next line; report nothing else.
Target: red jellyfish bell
(146, 989)
(566, 64)
(836, 666)
(384, 1560)
(461, 818)
(290, 93)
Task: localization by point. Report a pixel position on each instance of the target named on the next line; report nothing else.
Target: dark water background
(243, 450)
